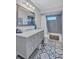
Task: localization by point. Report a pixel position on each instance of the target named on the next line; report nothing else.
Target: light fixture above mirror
(29, 5)
(26, 4)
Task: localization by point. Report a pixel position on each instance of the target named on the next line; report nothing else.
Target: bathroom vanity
(28, 37)
(28, 41)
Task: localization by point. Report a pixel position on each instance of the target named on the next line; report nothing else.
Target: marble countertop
(29, 33)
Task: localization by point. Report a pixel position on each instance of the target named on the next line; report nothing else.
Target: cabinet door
(29, 47)
(21, 45)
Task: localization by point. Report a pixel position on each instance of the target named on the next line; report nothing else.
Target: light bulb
(27, 3)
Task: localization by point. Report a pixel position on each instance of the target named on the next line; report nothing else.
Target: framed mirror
(24, 17)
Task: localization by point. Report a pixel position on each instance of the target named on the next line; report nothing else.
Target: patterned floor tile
(52, 50)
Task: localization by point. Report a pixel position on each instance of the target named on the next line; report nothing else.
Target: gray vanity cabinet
(25, 46)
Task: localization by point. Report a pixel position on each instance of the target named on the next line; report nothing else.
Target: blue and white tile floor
(51, 50)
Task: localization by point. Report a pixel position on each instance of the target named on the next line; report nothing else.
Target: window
(51, 18)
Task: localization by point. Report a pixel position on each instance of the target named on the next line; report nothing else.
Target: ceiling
(49, 5)
(22, 10)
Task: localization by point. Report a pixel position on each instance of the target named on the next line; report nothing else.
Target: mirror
(24, 17)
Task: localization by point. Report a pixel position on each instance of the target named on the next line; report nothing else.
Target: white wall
(44, 23)
(44, 26)
(38, 19)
